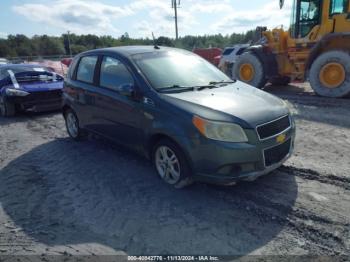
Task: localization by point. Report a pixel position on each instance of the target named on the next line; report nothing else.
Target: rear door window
(86, 69)
(114, 74)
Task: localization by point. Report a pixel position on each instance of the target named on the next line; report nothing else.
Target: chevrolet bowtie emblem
(281, 138)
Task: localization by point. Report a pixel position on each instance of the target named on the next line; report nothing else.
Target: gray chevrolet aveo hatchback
(178, 110)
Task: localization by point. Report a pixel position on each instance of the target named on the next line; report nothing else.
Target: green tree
(20, 45)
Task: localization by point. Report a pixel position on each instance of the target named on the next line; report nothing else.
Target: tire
(72, 125)
(324, 71)
(254, 70)
(280, 81)
(7, 109)
(180, 176)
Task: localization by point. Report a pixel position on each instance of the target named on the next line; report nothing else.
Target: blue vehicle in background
(29, 88)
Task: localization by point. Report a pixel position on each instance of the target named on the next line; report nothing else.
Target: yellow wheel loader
(316, 48)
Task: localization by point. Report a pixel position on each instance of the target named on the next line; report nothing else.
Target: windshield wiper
(222, 82)
(178, 88)
(210, 86)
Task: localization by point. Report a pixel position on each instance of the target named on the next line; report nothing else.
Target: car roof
(132, 50)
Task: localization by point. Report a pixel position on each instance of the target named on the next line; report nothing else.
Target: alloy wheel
(72, 125)
(167, 164)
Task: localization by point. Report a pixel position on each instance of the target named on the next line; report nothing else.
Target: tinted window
(114, 74)
(338, 7)
(86, 69)
(228, 51)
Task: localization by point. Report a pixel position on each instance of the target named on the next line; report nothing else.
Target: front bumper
(249, 176)
(226, 163)
(38, 101)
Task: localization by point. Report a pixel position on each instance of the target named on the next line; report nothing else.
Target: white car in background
(3, 61)
(229, 56)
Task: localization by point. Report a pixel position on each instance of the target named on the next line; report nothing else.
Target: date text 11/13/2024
(173, 258)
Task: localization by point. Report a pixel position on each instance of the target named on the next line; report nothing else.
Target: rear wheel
(249, 69)
(170, 164)
(72, 125)
(330, 74)
(7, 108)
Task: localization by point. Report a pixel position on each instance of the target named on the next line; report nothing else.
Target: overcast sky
(137, 17)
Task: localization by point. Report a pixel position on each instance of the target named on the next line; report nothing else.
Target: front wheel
(7, 108)
(170, 164)
(330, 74)
(249, 69)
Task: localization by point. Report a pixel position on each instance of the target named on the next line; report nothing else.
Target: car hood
(239, 100)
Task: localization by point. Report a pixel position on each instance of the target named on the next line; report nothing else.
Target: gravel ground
(94, 198)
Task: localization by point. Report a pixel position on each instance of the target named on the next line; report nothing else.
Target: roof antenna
(155, 42)
(281, 4)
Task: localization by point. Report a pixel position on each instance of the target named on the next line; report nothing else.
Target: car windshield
(174, 69)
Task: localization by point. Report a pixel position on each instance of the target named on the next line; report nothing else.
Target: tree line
(43, 45)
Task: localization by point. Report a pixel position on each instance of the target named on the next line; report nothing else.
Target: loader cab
(306, 14)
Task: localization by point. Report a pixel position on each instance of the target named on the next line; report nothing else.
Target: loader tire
(249, 69)
(330, 74)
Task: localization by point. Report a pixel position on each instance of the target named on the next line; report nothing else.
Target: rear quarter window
(72, 68)
(86, 69)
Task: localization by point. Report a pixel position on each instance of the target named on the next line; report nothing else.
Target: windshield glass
(176, 68)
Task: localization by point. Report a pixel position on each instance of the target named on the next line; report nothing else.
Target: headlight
(221, 131)
(16, 92)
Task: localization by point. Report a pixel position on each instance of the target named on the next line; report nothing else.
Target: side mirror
(127, 90)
